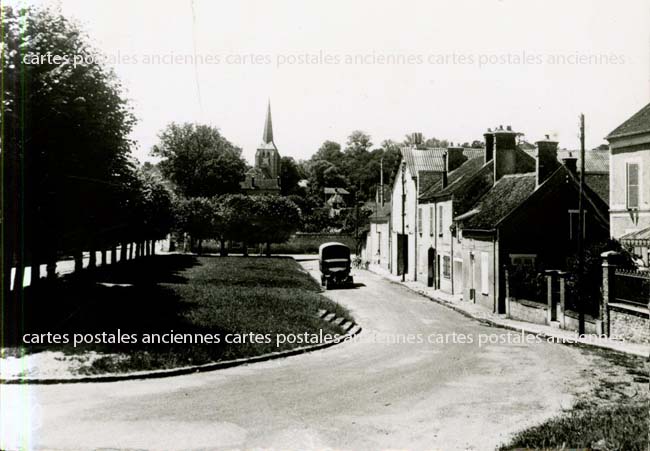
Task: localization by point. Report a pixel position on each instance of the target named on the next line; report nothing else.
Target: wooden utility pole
(403, 221)
(381, 181)
(581, 229)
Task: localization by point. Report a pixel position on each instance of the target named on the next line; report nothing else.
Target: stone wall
(571, 322)
(630, 325)
(529, 311)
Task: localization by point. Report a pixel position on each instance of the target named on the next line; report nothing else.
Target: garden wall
(629, 324)
(529, 311)
(308, 243)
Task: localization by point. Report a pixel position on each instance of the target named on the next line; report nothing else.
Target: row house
(464, 181)
(420, 169)
(525, 218)
(629, 188)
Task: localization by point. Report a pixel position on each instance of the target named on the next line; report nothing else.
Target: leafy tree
(329, 151)
(290, 174)
(276, 219)
(239, 214)
(67, 126)
(199, 160)
(196, 217)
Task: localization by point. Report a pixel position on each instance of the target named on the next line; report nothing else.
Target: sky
(448, 69)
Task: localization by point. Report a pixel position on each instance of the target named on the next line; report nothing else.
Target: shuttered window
(420, 220)
(485, 278)
(431, 219)
(632, 193)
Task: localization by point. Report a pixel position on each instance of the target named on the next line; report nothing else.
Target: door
(402, 254)
(431, 263)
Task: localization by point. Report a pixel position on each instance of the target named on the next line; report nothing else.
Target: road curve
(367, 394)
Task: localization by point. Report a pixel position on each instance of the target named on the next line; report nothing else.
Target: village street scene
(280, 226)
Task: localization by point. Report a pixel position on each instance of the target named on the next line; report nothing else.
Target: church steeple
(267, 138)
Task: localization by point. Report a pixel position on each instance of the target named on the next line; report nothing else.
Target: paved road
(357, 395)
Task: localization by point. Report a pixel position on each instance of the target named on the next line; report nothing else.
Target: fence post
(562, 306)
(609, 268)
(550, 313)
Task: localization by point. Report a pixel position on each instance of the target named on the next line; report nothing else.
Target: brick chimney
(505, 148)
(571, 163)
(489, 145)
(454, 158)
(417, 139)
(445, 172)
(547, 161)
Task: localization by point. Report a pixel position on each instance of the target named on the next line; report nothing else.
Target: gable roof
(431, 159)
(596, 160)
(637, 124)
(455, 179)
(511, 191)
(330, 190)
(506, 195)
(599, 184)
(261, 184)
(380, 213)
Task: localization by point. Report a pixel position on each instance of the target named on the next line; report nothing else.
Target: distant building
(264, 177)
(629, 205)
(336, 199)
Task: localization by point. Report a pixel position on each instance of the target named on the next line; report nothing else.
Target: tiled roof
(431, 159)
(599, 184)
(506, 195)
(455, 179)
(260, 185)
(638, 123)
(596, 160)
(424, 159)
(380, 213)
(427, 179)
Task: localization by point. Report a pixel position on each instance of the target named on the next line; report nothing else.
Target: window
(420, 220)
(574, 225)
(440, 220)
(522, 259)
(431, 223)
(485, 280)
(446, 267)
(632, 185)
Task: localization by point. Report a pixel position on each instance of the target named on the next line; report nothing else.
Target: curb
(350, 332)
(490, 322)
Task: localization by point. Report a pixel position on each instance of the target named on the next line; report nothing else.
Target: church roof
(267, 137)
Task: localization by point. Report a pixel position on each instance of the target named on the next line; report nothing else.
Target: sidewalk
(479, 313)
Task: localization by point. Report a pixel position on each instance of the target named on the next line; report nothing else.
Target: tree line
(69, 181)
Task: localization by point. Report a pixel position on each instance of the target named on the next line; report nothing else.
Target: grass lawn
(615, 415)
(224, 296)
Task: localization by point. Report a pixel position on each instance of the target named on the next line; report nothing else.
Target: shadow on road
(130, 296)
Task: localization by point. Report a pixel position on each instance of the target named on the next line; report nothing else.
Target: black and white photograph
(324, 225)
